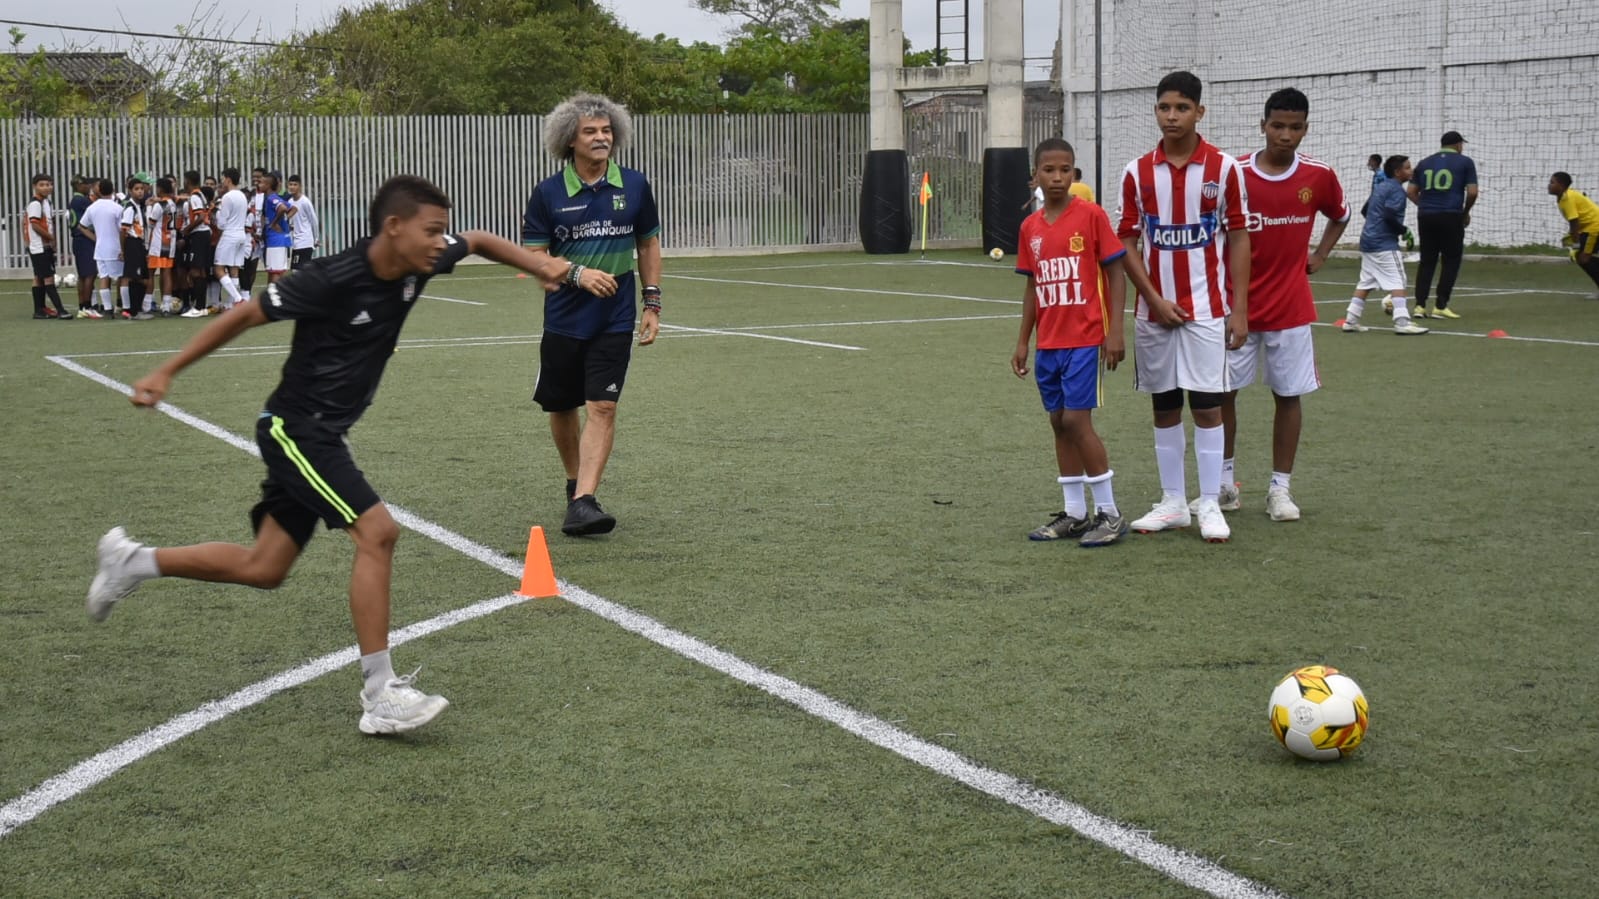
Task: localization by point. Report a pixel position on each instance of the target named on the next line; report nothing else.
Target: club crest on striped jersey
(1210, 190)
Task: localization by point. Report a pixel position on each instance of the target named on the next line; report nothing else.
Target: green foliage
(29, 87)
(828, 71)
(793, 19)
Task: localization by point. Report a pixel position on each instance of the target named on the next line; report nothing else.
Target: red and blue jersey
(1063, 258)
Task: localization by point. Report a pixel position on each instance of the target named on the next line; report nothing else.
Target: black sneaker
(40, 315)
(1062, 527)
(585, 517)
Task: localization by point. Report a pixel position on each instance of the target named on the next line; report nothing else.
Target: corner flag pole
(926, 194)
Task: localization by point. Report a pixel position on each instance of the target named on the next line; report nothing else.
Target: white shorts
(108, 268)
(232, 250)
(277, 259)
(1290, 361)
(1191, 357)
(1384, 269)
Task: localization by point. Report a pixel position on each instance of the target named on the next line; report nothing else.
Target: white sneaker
(1280, 505)
(1409, 327)
(1212, 524)
(399, 707)
(112, 581)
(1227, 500)
(1168, 514)
(1353, 326)
(193, 313)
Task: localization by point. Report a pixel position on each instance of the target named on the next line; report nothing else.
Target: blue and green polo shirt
(595, 225)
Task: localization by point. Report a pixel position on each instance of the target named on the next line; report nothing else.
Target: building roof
(96, 71)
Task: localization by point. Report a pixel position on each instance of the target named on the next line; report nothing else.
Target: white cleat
(1279, 505)
(399, 707)
(1227, 500)
(113, 581)
(1353, 326)
(1409, 327)
(1212, 524)
(1169, 514)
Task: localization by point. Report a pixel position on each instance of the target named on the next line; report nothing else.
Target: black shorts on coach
(573, 372)
(311, 476)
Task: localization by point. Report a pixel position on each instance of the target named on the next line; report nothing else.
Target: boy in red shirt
(1074, 299)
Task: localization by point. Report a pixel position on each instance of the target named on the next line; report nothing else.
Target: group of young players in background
(160, 247)
(1218, 250)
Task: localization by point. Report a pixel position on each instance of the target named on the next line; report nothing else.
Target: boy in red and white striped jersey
(1187, 202)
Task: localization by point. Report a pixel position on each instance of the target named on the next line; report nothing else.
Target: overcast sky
(276, 20)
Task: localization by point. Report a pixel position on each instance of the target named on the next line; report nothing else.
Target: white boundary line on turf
(848, 290)
(429, 296)
(758, 336)
(1184, 867)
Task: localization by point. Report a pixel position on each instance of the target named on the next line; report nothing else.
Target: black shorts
(135, 259)
(196, 252)
(44, 264)
(298, 258)
(83, 259)
(310, 475)
(573, 372)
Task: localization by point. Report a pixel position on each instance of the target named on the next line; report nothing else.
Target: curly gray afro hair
(560, 126)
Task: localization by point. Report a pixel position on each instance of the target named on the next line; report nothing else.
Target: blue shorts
(1068, 379)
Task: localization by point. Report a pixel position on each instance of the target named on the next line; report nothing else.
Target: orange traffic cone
(538, 577)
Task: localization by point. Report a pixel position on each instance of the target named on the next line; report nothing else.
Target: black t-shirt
(346, 324)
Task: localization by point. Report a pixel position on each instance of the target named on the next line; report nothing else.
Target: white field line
(1184, 867)
(862, 290)
(429, 296)
(758, 336)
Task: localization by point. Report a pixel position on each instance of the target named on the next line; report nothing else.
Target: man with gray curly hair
(598, 215)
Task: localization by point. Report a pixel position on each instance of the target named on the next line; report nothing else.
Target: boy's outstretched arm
(537, 262)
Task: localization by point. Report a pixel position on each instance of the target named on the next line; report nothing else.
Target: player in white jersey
(234, 248)
(102, 223)
(305, 228)
(1186, 202)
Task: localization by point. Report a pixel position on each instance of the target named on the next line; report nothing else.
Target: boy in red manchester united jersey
(1074, 300)
(1287, 190)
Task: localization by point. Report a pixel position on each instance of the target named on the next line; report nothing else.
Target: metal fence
(723, 183)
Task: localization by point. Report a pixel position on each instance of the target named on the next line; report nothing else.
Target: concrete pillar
(1003, 51)
(887, 52)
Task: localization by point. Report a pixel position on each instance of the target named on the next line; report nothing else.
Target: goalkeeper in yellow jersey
(1582, 218)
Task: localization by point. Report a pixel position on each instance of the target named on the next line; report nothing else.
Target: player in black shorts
(348, 310)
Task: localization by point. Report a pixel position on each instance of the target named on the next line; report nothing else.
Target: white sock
(1104, 496)
(1228, 476)
(1171, 444)
(1071, 489)
(126, 303)
(376, 670)
(1208, 444)
(142, 563)
(1280, 478)
(1358, 305)
(230, 286)
(213, 291)
(105, 298)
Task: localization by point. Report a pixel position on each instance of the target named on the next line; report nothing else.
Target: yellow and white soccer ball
(67, 279)
(1318, 713)
(996, 254)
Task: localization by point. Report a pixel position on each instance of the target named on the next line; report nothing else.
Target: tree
(29, 87)
(792, 19)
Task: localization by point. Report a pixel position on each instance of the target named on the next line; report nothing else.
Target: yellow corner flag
(926, 194)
